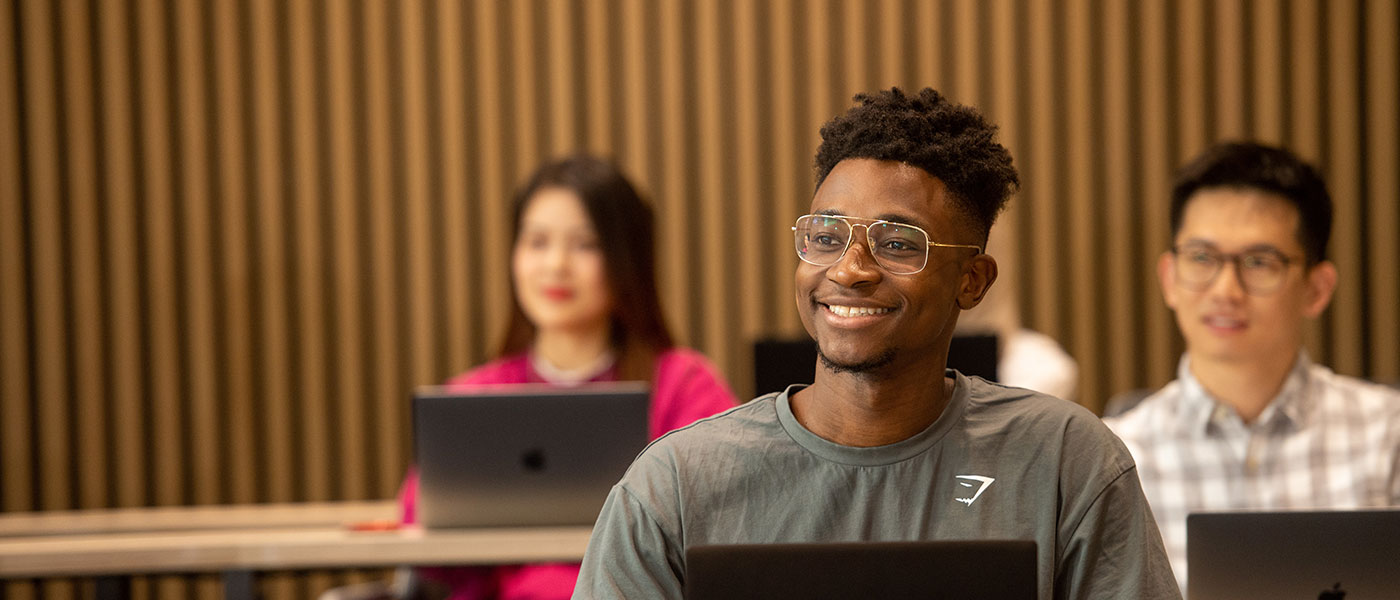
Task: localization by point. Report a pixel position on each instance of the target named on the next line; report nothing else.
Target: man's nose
(857, 265)
(1229, 281)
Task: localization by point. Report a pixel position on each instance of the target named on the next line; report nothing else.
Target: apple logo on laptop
(533, 459)
(1336, 593)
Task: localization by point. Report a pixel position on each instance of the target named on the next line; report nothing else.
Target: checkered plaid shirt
(1326, 441)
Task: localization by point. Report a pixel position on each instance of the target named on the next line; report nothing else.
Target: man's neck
(867, 410)
(1247, 386)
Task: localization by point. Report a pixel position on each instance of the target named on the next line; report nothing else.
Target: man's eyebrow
(1265, 248)
(901, 219)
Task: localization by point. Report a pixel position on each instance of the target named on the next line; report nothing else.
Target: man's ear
(1322, 282)
(1166, 277)
(976, 280)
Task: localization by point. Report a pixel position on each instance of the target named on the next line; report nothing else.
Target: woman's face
(557, 265)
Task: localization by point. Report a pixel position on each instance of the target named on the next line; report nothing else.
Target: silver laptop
(1329, 555)
(516, 455)
(983, 569)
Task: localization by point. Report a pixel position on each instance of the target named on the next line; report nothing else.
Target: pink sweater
(686, 387)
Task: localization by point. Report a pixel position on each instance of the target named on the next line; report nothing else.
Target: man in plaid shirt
(1251, 422)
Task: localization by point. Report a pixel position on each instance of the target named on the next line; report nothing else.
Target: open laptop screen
(984, 569)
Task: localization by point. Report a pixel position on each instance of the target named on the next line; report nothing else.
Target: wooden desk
(239, 550)
(189, 518)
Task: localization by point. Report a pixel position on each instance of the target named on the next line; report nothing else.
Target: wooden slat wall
(234, 234)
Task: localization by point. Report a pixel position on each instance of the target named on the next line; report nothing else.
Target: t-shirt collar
(878, 455)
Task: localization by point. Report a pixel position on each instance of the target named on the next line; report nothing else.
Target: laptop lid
(986, 569)
(1295, 554)
(524, 454)
(778, 363)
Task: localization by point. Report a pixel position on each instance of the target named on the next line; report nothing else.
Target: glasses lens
(900, 249)
(820, 239)
(1197, 266)
(1261, 272)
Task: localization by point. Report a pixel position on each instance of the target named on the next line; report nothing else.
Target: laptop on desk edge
(983, 569)
(1324, 554)
(524, 455)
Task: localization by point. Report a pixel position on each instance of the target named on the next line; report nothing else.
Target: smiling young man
(1251, 422)
(887, 445)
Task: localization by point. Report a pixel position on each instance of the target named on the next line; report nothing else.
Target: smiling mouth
(855, 311)
(1223, 323)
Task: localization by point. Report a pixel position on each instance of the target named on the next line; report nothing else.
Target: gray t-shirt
(999, 463)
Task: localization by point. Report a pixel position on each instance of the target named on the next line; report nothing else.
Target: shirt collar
(1199, 409)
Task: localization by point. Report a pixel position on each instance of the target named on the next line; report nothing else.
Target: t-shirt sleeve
(629, 554)
(1116, 551)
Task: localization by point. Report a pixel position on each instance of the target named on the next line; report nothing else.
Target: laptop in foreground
(984, 569)
(520, 455)
(1329, 555)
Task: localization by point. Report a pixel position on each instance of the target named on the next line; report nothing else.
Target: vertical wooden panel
(1120, 259)
(1158, 158)
(51, 379)
(1382, 155)
(749, 205)
(634, 93)
(1266, 109)
(1038, 173)
(967, 53)
(16, 442)
(383, 196)
(1343, 165)
(561, 23)
(599, 83)
(709, 198)
(1305, 118)
(457, 281)
(523, 89)
(1229, 53)
(346, 248)
(889, 41)
(270, 275)
(417, 204)
(929, 63)
(789, 200)
(84, 265)
(1193, 96)
(492, 190)
(672, 220)
(1080, 149)
(307, 200)
(852, 47)
(196, 257)
(235, 282)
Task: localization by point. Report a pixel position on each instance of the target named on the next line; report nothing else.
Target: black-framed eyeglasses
(1259, 272)
(898, 248)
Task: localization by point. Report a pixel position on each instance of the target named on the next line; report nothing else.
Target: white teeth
(856, 311)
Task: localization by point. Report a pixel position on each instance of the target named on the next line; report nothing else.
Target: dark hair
(624, 224)
(1249, 165)
(950, 141)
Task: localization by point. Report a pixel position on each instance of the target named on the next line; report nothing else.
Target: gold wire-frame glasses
(899, 248)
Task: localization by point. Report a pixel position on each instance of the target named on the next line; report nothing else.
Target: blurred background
(234, 235)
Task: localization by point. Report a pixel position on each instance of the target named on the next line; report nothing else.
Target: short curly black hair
(1245, 165)
(950, 141)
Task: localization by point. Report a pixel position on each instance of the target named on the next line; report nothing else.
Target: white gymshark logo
(986, 481)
